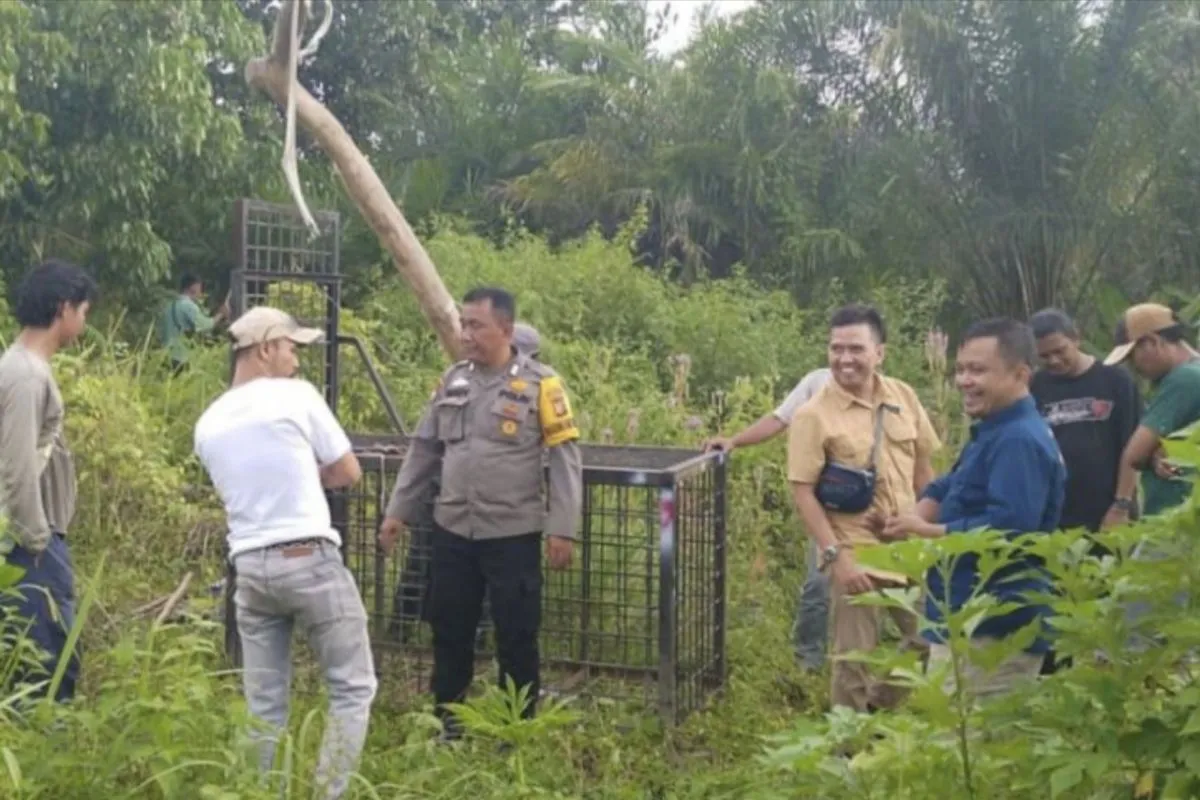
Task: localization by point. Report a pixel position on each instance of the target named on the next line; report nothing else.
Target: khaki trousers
(859, 628)
(982, 684)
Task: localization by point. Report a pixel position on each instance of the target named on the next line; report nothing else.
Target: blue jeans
(810, 633)
(278, 588)
(45, 611)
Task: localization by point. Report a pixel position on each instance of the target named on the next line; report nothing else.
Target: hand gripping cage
(640, 615)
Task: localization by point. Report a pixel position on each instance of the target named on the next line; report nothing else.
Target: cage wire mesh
(639, 616)
(278, 263)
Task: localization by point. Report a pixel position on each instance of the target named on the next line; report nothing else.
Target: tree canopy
(1029, 153)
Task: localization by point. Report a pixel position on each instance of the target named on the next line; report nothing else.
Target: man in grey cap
(526, 340)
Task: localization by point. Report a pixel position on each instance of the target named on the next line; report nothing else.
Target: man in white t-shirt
(811, 630)
(272, 446)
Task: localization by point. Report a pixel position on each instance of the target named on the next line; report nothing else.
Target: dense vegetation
(941, 159)
(158, 695)
(1028, 153)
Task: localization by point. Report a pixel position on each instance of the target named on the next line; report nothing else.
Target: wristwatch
(1124, 504)
(828, 556)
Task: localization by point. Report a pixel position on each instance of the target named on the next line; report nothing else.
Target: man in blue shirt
(1010, 477)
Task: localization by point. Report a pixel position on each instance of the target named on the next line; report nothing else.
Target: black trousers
(510, 571)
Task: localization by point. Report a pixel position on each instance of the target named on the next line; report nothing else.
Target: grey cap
(526, 339)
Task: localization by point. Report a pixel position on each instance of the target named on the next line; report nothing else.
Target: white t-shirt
(263, 444)
(805, 390)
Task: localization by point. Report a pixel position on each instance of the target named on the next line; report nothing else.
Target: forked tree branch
(270, 74)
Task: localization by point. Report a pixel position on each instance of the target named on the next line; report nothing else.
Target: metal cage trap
(640, 615)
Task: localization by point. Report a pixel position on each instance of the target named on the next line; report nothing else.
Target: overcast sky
(686, 10)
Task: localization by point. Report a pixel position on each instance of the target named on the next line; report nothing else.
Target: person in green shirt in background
(183, 317)
(1154, 340)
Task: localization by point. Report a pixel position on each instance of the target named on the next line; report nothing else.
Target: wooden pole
(270, 74)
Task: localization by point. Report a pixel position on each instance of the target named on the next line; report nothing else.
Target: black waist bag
(847, 489)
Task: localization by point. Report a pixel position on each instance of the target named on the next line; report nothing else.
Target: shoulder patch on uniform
(441, 381)
(554, 411)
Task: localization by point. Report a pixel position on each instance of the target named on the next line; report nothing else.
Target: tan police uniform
(483, 436)
(486, 440)
(410, 603)
(837, 426)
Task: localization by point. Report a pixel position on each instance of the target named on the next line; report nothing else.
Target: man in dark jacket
(1011, 478)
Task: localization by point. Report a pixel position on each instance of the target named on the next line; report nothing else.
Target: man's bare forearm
(342, 473)
(767, 427)
(1138, 455)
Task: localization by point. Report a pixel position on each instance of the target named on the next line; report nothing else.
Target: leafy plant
(1122, 721)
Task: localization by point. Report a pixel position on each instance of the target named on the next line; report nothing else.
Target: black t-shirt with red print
(1092, 416)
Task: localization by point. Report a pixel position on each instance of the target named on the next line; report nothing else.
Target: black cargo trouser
(510, 570)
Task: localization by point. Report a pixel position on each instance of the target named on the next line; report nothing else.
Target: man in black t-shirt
(1093, 409)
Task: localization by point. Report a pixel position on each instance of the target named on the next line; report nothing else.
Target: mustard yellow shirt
(837, 426)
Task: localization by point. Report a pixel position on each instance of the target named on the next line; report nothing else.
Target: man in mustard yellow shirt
(858, 452)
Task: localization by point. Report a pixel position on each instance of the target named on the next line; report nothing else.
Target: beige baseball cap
(1139, 321)
(526, 339)
(263, 324)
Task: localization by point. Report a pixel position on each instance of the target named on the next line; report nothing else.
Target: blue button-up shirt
(1010, 477)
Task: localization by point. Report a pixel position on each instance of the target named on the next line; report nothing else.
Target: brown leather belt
(298, 548)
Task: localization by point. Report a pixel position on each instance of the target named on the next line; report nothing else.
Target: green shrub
(1121, 722)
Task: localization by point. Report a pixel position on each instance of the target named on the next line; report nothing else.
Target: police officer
(411, 602)
(490, 428)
